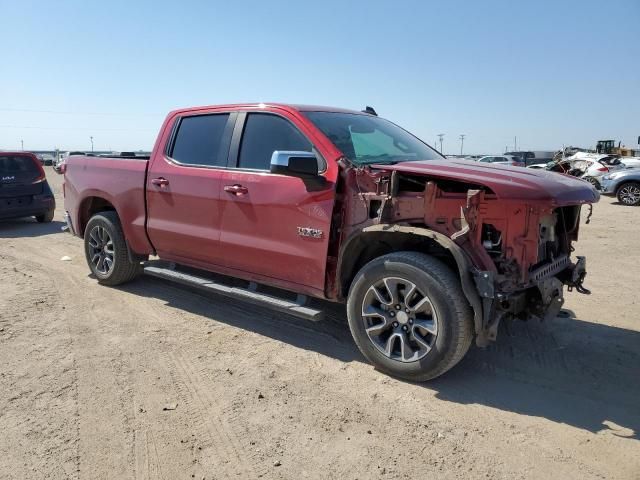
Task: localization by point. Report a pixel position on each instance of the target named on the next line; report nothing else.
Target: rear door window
(202, 140)
(265, 133)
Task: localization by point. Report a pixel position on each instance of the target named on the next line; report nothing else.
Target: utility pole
(22, 145)
(515, 143)
(462, 135)
(91, 144)
(440, 135)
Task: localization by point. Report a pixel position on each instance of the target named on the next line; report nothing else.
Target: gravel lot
(152, 380)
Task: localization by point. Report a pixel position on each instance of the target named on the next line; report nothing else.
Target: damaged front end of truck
(508, 231)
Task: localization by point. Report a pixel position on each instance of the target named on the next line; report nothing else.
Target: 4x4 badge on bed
(309, 232)
(8, 178)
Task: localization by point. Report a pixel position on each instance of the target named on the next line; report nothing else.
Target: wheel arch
(89, 207)
(626, 182)
(377, 240)
(93, 205)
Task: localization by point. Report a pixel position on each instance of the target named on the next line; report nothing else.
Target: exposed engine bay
(517, 253)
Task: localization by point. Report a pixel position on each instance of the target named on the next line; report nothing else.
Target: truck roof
(259, 105)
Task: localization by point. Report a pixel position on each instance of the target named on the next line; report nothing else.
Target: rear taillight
(603, 169)
(41, 175)
(515, 164)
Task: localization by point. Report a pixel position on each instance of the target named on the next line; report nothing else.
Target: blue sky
(548, 72)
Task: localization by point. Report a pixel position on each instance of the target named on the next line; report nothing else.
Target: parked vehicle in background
(533, 157)
(502, 160)
(45, 159)
(59, 167)
(339, 205)
(61, 157)
(595, 170)
(24, 190)
(587, 166)
(631, 162)
(624, 184)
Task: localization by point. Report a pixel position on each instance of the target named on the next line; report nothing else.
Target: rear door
(20, 178)
(183, 188)
(266, 216)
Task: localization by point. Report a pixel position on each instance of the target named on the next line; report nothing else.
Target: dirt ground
(152, 380)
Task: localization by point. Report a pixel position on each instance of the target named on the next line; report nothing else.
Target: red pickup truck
(316, 202)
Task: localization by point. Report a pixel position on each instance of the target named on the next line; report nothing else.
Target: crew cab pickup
(340, 205)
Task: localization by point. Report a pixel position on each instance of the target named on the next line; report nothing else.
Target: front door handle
(160, 182)
(236, 189)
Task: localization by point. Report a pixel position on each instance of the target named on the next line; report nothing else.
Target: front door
(271, 224)
(183, 189)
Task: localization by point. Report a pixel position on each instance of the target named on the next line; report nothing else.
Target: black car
(24, 190)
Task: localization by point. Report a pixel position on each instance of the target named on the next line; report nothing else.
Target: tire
(450, 313)
(45, 217)
(593, 182)
(629, 193)
(104, 234)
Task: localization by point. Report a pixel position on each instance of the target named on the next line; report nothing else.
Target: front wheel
(629, 193)
(106, 250)
(408, 315)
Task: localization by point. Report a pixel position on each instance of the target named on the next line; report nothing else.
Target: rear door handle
(236, 189)
(160, 182)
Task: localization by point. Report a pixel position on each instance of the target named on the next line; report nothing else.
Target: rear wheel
(629, 193)
(106, 250)
(593, 182)
(408, 316)
(46, 217)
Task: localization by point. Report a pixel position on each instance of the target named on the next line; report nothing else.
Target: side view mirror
(304, 165)
(295, 164)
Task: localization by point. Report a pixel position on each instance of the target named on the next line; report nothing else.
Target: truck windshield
(365, 139)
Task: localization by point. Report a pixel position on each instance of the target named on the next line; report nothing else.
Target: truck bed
(121, 182)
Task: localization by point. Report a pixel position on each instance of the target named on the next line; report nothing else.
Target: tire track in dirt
(228, 453)
(33, 316)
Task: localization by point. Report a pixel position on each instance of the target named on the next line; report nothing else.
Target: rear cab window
(202, 140)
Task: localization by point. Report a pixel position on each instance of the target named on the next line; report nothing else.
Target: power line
(59, 112)
(80, 128)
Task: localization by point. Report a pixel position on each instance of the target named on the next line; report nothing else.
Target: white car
(594, 170)
(502, 160)
(631, 162)
(589, 167)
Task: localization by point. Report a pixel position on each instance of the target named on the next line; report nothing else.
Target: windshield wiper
(380, 159)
